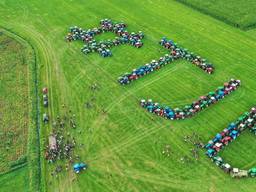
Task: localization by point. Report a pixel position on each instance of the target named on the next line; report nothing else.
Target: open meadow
(119, 140)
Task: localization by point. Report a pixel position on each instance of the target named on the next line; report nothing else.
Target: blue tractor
(210, 152)
(79, 167)
(217, 138)
(234, 134)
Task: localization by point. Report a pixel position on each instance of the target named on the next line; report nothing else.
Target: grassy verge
(33, 141)
(14, 102)
(124, 146)
(15, 180)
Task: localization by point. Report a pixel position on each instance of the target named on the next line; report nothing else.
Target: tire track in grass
(100, 182)
(147, 177)
(96, 177)
(40, 45)
(130, 141)
(119, 148)
(51, 61)
(36, 89)
(217, 173)
(125, 145)
(77, 78)
(120, 99)
(51, 58)
(99, 120)
(50, 84)
(195, 30)
(110, 106)
(40, 48)
(47, 57)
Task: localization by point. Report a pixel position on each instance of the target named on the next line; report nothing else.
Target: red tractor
(45, 90)
(133, 77)
(209, 70)
(224, 132)
(217, 147)
(226, 140)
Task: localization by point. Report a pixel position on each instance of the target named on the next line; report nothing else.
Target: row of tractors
(189, 56)
(103, 47)
(198, 105)
(45, 104)
(229, 134)
(176, 52)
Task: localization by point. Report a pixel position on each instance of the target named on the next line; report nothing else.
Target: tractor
(209, 144)
(252, 172)
(218, 146)
(210, 152)
(217, 138)
(45, 118)
(237, 173)
(217, 160)
(78, 167)
(253, 130)
(226, 140)
(226, 167)
(45, 100)
(234, 134)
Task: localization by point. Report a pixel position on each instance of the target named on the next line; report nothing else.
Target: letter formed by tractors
(103, 47)
(192, 109)
(175, 53)
(229, 134)
(248, 120)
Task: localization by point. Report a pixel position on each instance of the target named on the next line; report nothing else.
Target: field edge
(33, 140)
(218, 17)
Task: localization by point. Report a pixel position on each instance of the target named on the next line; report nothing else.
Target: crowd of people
(176, 52)
(198, 105)
(103, 47)
(229, 134)
(61, 145)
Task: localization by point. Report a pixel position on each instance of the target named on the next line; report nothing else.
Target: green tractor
(253, 130)
(252, 172)
(218, 161)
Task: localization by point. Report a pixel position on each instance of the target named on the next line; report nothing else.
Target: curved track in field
(52, 65)
(124, 148)
(33, 156)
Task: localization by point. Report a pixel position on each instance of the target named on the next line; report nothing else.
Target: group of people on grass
(198, 105)
(103, 47)
(222, 139)
(176, 52)
(61, 146)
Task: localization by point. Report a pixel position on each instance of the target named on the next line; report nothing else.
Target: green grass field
(15, 181)
(124, 146)
(14, 101)
(237, 13)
